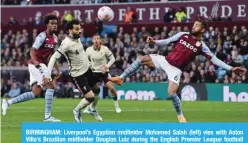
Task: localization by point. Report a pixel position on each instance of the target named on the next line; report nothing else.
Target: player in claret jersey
(187, 47)
(40, 53)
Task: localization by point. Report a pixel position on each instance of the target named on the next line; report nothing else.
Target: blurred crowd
(230, 45)
(34, 2)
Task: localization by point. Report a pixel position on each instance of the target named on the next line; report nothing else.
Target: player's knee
(145, 59)
(88, 94)
(90, 99)
(50, 85)
(112, 88)
(110, 85)
(96, 90)
(172, 92)
(36, 91)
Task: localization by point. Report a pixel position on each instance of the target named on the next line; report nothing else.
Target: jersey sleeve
(63, 48)
(206, 52)
(170, 40)
(210, 56)
(108, 53)
(39, 40)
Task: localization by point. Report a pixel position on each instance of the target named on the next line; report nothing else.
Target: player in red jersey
(40, 53)
(187, 47)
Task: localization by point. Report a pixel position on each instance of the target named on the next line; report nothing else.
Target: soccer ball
(188, 93)
(105, 13)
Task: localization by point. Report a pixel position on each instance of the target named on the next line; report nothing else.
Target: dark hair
(70, 24)
(48, 17)
(204, 24)
(96, 35)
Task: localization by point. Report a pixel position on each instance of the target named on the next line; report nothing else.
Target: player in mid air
(79, 69)
(187, 47)
(101, 59)
(41, 51)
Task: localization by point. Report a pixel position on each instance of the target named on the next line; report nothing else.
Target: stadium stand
(127, 41)
(230, 45)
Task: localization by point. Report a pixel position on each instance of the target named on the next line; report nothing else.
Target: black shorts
(85, 82)
(102, 76)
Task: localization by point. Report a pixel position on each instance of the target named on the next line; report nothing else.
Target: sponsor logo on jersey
(188, 45)
(49, 46)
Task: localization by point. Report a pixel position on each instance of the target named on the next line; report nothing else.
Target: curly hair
(49, 16)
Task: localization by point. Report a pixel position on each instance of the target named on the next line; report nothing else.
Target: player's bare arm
(52, 63)
(209, 55)
(111, 60)
(57, 70)
(33, 57)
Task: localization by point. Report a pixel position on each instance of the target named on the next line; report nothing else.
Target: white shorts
(173, 73)
(37, 75)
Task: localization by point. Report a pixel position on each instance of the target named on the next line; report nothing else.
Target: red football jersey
(44, 47)
(187, 47)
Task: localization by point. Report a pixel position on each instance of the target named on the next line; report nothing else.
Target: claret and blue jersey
(44, 45)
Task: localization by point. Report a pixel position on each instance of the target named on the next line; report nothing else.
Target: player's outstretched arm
(165, 41)
(52, 61)
(220, 63)
(63, 48)
(209, 55)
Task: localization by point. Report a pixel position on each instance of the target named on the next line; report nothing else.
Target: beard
(195, 33)
(76, 36)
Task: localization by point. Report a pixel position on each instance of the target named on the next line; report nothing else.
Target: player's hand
(150, 40)
(104, 69)
(238, 70)
(46, 80)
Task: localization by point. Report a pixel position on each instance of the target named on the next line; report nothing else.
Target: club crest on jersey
(198, 44)
(77, 53)
(189, 46)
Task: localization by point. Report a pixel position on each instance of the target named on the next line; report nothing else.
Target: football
(105, 13)
(188, 93)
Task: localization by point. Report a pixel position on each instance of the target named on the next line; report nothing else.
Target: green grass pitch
(132, 111)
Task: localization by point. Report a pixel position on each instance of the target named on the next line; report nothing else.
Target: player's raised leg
(142, 60)
(113, 91)
(36, 90)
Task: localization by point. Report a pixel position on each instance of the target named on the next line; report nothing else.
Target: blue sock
(49, 102)
(177, 104)
(21, 98)
(131, 69)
